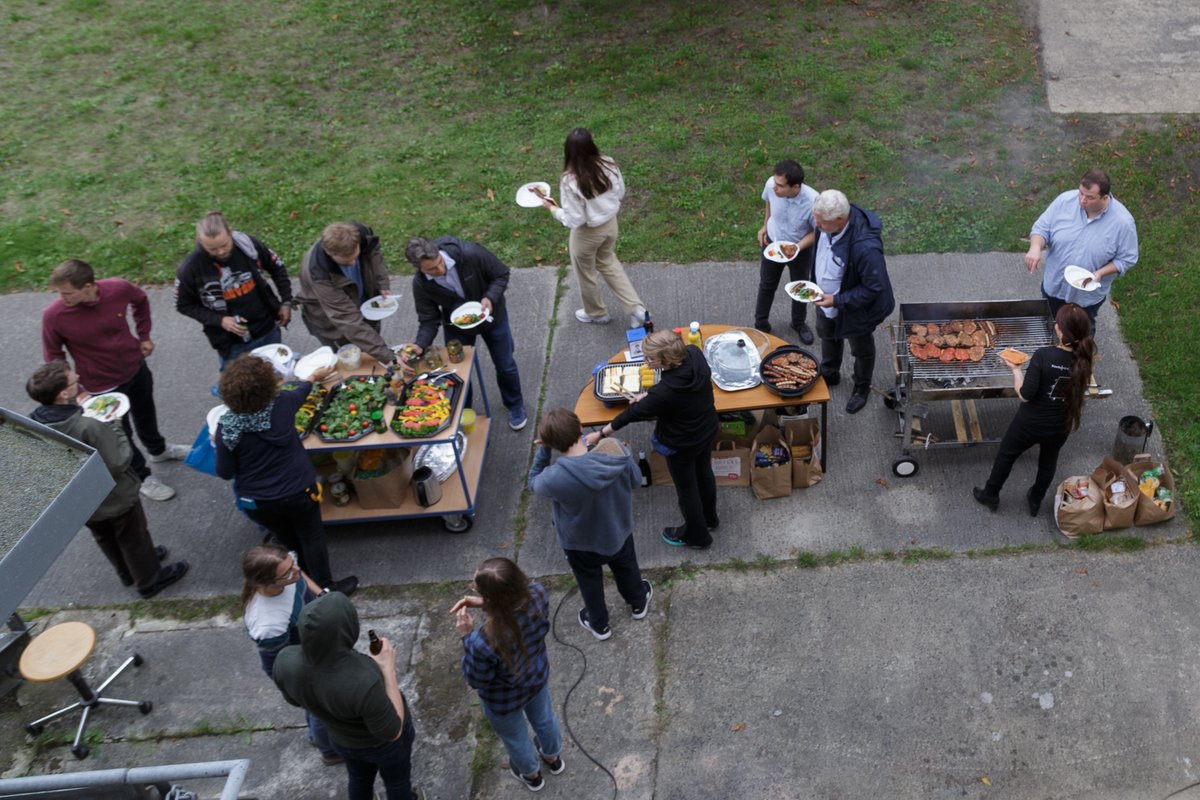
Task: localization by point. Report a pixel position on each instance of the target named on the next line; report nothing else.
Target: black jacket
(481, 274)
(682, 402)
(866, 298)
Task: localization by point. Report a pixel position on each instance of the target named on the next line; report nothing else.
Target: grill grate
(1022, 333)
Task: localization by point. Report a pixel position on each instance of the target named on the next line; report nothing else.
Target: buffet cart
(1024, 325)
(459, 491)
(592, 411)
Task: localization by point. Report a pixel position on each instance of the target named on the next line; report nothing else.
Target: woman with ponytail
(505, 661)
(1051, 390)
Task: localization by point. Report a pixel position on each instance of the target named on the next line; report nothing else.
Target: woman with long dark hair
(591, 190)
(505, 661)
(686, 425)
(1052, 391)
(274, 591)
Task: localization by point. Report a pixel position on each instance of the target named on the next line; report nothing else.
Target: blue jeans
(392, 762)
(274, 337)
(499, 343)
(318, 734)
(510, 728)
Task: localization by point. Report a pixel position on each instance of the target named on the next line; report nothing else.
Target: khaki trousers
(593, 250)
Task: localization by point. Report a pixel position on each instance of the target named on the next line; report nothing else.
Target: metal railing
(234, 773)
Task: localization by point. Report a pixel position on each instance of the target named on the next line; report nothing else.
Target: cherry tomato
(353, 407)
(324, 427)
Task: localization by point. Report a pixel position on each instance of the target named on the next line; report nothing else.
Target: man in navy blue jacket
(856, 293)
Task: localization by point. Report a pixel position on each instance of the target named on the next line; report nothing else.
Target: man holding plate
(343, 270)
(451, 272)
(1088, 228)
(787, 217)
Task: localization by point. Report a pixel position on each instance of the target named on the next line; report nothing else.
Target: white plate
(468, 308)
(277, 354)
(214, 416)
(795, 286)
(321, 357)
(1077, 275)
(527, 198)
(774, 252)
(386, 306)
(115, 412)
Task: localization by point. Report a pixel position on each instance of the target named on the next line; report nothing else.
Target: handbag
(203, 456)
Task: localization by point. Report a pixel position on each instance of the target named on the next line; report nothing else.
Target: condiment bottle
(693, 336)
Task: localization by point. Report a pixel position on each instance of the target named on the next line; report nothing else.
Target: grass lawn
(122, 122)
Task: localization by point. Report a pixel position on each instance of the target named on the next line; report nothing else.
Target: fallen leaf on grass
(17, 266)
(741, 726)
(491, 195)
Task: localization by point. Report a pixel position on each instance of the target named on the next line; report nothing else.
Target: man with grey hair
(221, 285)
(451, 272)
(856, 292)
(339, 273)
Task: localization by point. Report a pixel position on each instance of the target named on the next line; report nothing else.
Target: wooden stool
(59, 652)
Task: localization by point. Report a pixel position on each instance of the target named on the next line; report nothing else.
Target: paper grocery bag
(1149, 512)
(1119, 513)
(1079, 516)
(389, 489)
(804, 440)
(659, 474)
(731, 463)
(774, 480)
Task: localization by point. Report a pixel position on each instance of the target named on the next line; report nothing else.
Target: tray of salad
(310, 410)
(347, 414)
(425, 407)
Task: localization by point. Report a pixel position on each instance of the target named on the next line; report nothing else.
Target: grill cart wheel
(905, 467)
(458, 523)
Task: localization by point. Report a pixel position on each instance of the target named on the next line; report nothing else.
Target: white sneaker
(637, 318)
(154, 489)
(583, 316)
(173, 452)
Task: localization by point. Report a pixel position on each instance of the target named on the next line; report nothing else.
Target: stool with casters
(60, 652)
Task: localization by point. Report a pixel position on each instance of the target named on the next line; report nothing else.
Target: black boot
(982, 497)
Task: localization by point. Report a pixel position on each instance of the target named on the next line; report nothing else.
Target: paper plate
(93, 405)
(468, 308)
(1076, 276)
(278, 354)
(214, 416)
(774, 252)
(380, 307)
(794, 287)
(321, 357)
(526, 198)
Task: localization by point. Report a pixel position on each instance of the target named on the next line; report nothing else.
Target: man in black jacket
(856, 292)
(221, 285)
(451, 272)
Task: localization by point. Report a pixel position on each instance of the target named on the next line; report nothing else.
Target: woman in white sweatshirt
(591, 190)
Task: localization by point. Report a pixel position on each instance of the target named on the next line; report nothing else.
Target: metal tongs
(440, 372)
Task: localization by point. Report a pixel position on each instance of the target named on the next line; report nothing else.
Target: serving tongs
(440, 372)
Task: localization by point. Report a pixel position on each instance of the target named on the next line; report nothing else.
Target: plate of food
(469, 315)
(528, 198)
(1081, 278)
(781, 252)
(379, 307)
(214, 417)
(106, 407)
(317, 359)
(803, 291)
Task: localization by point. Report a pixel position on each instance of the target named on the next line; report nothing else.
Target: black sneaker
(555, 766)
(166, 576)
(534, 784)
(347, 585)
(804, 332)
(641, 611)
(599, 633)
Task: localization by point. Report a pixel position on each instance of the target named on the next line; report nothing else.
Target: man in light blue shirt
(787, 217)
(1089, 229)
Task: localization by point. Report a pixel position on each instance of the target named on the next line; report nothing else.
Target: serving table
(457, 504)
(592, 411)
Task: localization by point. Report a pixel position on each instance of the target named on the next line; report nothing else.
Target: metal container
(1133, 434)
(426, 487)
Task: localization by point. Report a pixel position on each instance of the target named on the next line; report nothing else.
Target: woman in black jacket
(687, 424)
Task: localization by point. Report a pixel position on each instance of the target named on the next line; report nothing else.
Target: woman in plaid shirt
(505, 661)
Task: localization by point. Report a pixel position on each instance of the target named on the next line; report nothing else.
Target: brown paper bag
(774, 480)
(731, 463)
(659, 474)
(1148, 512)
(390, 489)
(1079, 516)
(1117, 514)
(804, 439)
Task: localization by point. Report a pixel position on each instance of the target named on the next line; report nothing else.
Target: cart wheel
(458, 523)
(81, 751)
(905, 467)
(34, 730)
(146, 706)
(138, 660)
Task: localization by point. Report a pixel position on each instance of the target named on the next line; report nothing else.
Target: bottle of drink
(648, 325)
(644, 466)
(693, 336)
(374, 642)
(242, 321)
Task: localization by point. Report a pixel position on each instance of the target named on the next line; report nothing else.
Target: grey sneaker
(583, 316)
(641, 612)
(154, 489)
(173, 452)
(534, 784)
(637, 318)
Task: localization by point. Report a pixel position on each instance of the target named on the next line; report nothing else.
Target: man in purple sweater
(90, 320)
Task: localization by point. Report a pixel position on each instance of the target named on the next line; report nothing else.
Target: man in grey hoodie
(592, 494)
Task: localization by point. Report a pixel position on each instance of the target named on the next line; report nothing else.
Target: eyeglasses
(290, 575)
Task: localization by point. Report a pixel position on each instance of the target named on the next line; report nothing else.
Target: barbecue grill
(1024, 325)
